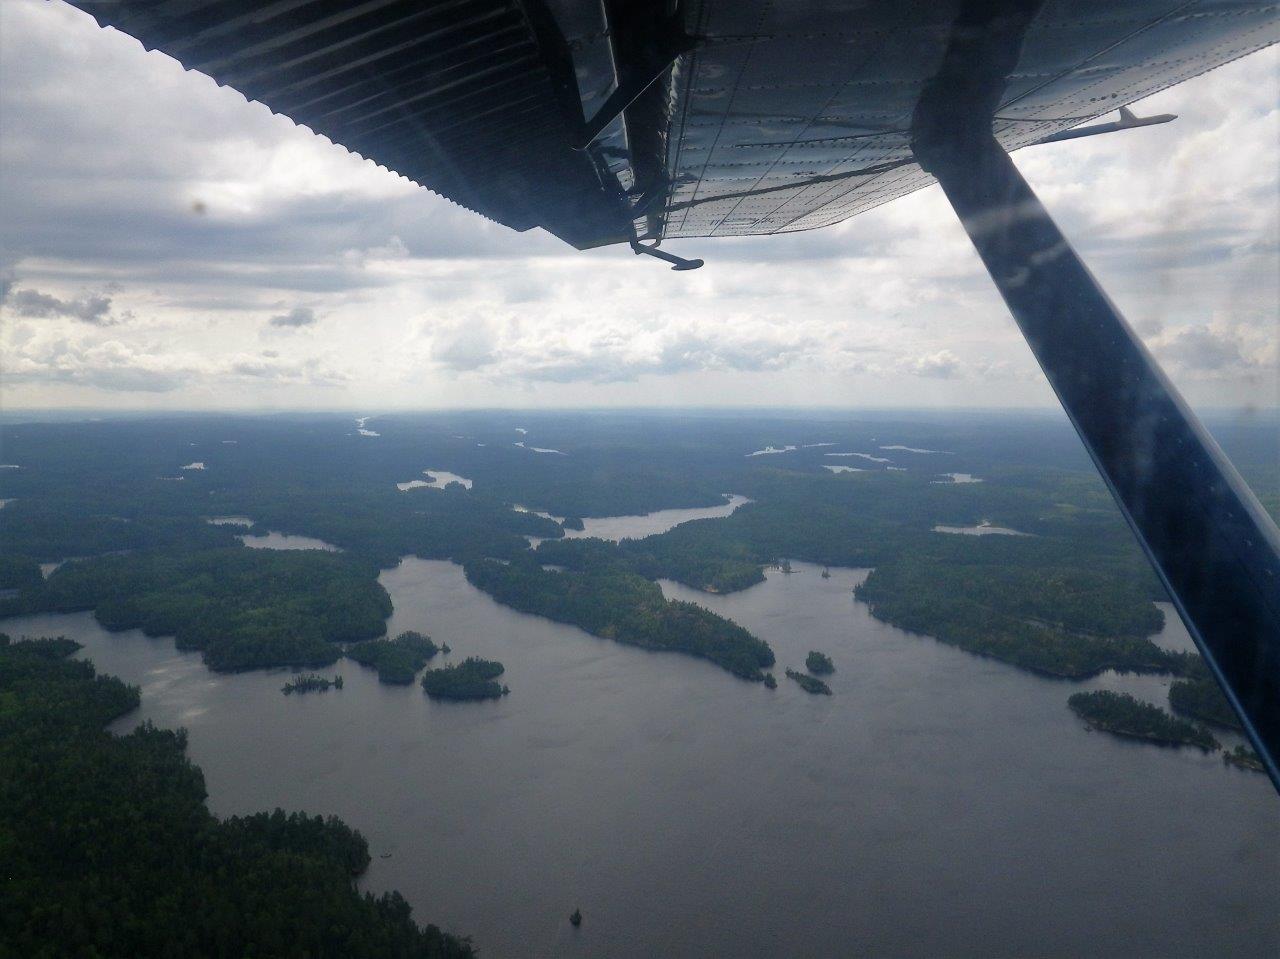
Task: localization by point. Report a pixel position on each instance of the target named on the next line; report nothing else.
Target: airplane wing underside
(613, 120)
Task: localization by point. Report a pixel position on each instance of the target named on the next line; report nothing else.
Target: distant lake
(865, 456)
(982, 529)
(649, 524)
(229, 521)
(286, 541)
(540, 449)
(436, 479)
(938, 804)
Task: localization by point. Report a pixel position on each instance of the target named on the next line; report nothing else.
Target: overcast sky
(164, 244)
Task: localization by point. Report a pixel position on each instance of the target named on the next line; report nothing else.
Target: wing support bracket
(1212, 545)
(679, 263)
(651, 59)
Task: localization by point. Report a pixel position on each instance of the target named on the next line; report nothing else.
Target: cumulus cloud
(582, 346)
(1200, 348)
(109, 365)
(298, 316)
(1219, 350)
(269, 365)
(942, 365)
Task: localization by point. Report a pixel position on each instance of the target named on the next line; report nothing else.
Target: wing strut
(1211, 543)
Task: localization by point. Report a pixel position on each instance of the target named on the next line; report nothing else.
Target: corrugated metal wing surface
(457, 95)
(796, 115)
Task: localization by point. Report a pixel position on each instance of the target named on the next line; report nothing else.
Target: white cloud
(942, 365)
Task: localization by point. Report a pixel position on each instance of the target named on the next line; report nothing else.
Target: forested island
(311, 683)
(242, 608)
(396, 660)
(1242, 757)
(109, 849)
(819, 664)
(473, 678)
(614, 603)
(810, 684)
(1123, 715)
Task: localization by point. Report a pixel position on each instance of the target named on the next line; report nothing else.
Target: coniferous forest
(109, 850)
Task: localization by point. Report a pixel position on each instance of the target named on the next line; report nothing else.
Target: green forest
(311, 683)
(1200, 698)
(614, 603)
(819, 664)
(110, 851)
(922, 599)
(396, 660)
(473, 678)
(242, 608)
(810, 684)
(1123, 715)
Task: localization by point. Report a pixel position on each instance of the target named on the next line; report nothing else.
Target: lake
(982, 529)
(937, 804)
(640, 525)
(286, 541)
(436, 479)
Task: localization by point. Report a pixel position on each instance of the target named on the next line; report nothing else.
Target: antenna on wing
(1128, 121)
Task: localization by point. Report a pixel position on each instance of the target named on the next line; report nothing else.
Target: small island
(809, 684)
(819, 664)
(396, 660)
(1242, 757)
(470, 679)
(311, 683)
(769, 681)
(573, 523)
(1123, 715)
(576, 918)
